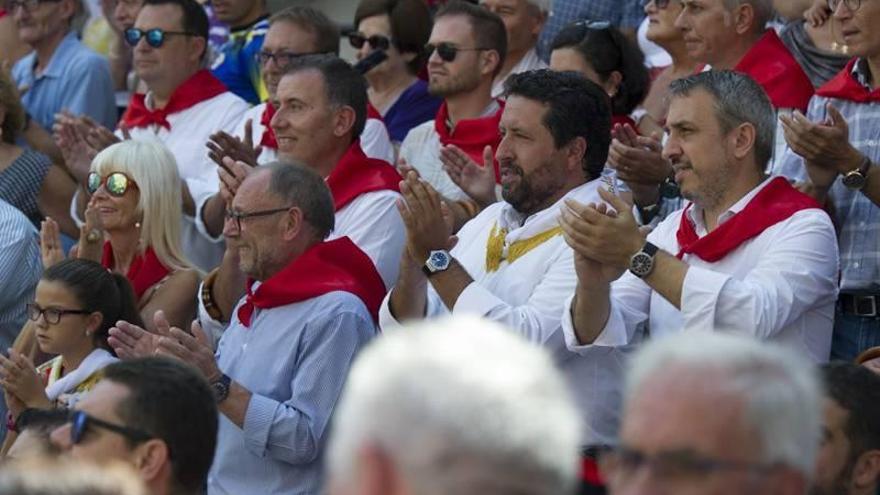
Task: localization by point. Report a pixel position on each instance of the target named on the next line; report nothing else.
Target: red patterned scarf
(198, 88)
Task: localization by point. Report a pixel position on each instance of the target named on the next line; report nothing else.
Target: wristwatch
(437, 261)
(641, 263)
(855, 179)
(221, 388)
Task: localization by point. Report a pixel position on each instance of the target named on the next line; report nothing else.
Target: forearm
(235, 406)
(189, 205)
(229, 285)
(450, 283)
(872, 185)
(590, 311)
(409, 298)
(667, 277)
(214, 214)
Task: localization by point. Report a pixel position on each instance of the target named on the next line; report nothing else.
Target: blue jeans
(853, 334)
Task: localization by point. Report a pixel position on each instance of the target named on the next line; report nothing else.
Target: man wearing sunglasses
(713, 414)
(156, 414)
(523, 21)
(60, 73)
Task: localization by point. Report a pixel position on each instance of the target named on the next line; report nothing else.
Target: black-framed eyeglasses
(660, 4)
(852, 5)
(281, 58)
(51, 315)
(27, 5)
(80, 423)
(116, 183)
(155, 37)
(448, 51)
(238, 216)
(376, 41)
(672, 465)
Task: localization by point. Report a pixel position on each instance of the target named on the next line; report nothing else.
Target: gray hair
(300, 186)
(738, 100)
(782, 393)
(764, 11)
(460, 405)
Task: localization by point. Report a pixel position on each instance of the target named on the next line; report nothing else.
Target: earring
(137, 225)
(88, 333)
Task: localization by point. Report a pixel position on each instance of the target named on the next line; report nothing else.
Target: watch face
(854, 180)
(641, 263)
(438, 261)
(438, 258)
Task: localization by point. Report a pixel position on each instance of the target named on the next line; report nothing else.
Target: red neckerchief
(844, 86)
(776, 202)
(144, 272)
(329, 266)
(268, 139)
(772, 66)
(372, 113)
(590, 473)
(471, 135)
(356, 174)
(198, 88)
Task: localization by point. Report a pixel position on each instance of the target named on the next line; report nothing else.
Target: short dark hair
(42, 422)
(195, 20)
(170, 400)
(325, 31)
(856, 389)
(738, 100)
(488, 28)
(97, 289)
(410, 25)
(607, 50)
(576, 107)
(300, 186)
(345, 86)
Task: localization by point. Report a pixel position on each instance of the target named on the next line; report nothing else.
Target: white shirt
(530, 61)
(527, 296)
(375, 140)
(779, 286)
(190, 129)
(421, 150)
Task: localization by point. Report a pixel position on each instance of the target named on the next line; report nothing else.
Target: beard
(840, 484)
(533, 190)
(451, 85)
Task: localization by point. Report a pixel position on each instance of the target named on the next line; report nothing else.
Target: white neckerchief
(96, 360)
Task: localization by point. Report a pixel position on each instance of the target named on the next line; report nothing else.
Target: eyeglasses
(660, 4)
(448, 51)
(27, 5)
(281, 58)
(671, 466)
(852, 5)
(80, 423)
(155, 37)
(238, 216)
(116, 183)
(376, 41)
(51, 315)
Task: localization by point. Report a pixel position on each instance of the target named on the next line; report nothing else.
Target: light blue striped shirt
(294, 359)
(76, 79)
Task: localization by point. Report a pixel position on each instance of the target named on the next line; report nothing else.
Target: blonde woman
(133, 228)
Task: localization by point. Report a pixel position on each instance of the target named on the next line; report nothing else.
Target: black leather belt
(859, 304)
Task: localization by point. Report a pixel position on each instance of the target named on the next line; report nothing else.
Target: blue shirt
(76, 79)
(237, 65)
(414, 106)
(294, 359)
(620, 13)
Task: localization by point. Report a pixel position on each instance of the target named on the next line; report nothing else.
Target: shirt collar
(695, 213)
(862, 73)
(61, 56)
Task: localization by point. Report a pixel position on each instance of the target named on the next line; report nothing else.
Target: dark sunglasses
(155, 37)
(376, 41)
(51, 315)
(116, 183)
(448, 51)
(80, 423)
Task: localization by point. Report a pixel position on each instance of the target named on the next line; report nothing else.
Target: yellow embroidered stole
(517, 249)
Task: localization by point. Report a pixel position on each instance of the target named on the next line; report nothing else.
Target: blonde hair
(154, 169)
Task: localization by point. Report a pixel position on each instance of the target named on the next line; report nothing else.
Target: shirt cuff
(613, 335)
(200, 223)
(258, 423)
(475, 299)
(387, 320)
(699, 296)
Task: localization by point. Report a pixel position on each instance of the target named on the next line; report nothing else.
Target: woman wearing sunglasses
(400, 28)
(134, 228)
(76, 303)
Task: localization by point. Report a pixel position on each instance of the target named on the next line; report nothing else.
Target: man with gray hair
(749, 255)
(737, 416)
(427, 410)
(523, 20)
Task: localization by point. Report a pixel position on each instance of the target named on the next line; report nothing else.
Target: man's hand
(822, 144)
(222, 145)
(131, 341)
(98, 136)
(193, 349)
(475, 180)
(423, 215)
(637, 159)
(70, 137)
(232, 175)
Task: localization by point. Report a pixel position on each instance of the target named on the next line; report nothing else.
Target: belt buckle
(857, 305)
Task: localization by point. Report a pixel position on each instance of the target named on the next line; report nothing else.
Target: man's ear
(866, 472)
(343, 120)
(152, 458)
(489, 60)
(744, 18)
(743, 140)
(199, 46)
(575, 152)
(293, 223)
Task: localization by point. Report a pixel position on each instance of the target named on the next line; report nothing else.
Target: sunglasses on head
(155, 37)
(80, 423)
(115, 183)
(376, 41)
(448, 51)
